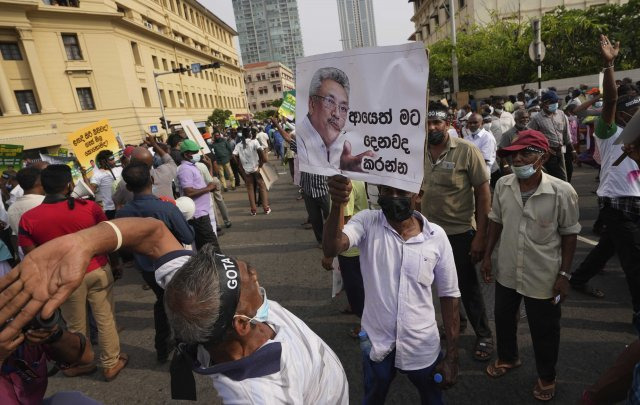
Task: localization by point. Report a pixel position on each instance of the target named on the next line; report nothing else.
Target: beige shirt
(448, 186)
(529, 254)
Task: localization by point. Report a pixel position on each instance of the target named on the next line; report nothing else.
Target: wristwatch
(565, 274)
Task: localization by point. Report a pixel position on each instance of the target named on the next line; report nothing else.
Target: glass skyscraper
(357, 26)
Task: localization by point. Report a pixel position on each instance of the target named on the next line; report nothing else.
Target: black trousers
(163, 330)
(469, 285)
(622, 235)
(555, 166)
(544, 324)
(204, 232)
(318, 210)
(352, 283)
(236, 173)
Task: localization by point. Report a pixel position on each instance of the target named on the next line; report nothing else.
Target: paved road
(288, 260)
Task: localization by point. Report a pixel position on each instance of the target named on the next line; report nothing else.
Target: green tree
(218, 117)
(263, 115)
(277, 103)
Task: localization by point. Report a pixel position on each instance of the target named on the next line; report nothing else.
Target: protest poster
(230, 123)
(191, 130)
(90, 140)
(288, 107)
(11, 157)
(76, 172)
(363, 114)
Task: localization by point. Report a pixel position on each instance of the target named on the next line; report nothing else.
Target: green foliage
(497, 54)
(218, 117)
(263, 115)
(277, 103)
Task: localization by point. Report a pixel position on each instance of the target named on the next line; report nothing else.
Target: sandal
(483, 349)
(588, 290)
(497, 369)
(544, 392)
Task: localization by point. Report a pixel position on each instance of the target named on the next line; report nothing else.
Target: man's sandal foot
(543, 392)
(497, 369)
(588, 290)
(483, 349)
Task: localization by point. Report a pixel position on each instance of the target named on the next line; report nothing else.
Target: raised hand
(353, 163)
(608, 50)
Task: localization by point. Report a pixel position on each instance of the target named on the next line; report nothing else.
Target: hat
(128, 151)
(525, 139)
(549, 96)
(206, 136)
(186, 206)
(593, 90)
(189, 146)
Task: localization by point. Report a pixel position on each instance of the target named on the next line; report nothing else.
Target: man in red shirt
(58, 215)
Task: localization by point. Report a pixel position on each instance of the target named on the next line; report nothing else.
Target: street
(593, 332)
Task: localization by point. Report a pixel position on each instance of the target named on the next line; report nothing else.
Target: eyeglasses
(330, 104)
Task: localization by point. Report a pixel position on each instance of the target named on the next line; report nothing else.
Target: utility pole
(454, 57)
(538, 51)
(196, 67)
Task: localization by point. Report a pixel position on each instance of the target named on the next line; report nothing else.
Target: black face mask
(435, 138)
(396, 209)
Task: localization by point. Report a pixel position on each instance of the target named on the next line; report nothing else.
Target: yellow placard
(90, 140)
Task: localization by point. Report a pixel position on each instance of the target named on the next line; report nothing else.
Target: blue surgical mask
(553, 107)
(598, 104)
(262, 314)
(524, 172)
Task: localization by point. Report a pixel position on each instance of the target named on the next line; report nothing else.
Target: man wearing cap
(521, 116)
(538, 216)
(222, 151)
(253, 349)
(193, 186)
(618, 192)
(457, 197)
(553, 123)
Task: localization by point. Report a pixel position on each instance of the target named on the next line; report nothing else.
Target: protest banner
(230, 123)
(363, 114)
(11, 157)
(76, 172)
(288, 107)
(90, 140)
(191, 130)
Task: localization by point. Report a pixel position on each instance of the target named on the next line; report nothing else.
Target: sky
(319, 22)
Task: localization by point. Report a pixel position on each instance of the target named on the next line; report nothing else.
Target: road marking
(587, 240)
(253, 245)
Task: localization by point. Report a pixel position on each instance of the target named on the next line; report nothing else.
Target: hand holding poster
(365, 114)
(90, 140)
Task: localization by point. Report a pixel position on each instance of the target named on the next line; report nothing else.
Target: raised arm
(52, 271)
(609, 53)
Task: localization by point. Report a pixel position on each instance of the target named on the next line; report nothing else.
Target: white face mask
(498, 111)
(196, 158)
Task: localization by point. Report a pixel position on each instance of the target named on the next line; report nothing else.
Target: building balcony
(62, 3)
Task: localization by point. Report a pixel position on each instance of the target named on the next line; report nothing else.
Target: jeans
(318, 210)
(469, 284)
(204, 232)
(163, 330)
(378, 378)
(352, 283)
(544, 323)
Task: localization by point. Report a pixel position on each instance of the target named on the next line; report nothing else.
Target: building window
(26, 101)
(172, 98)
(173, 65)
(163, 98)
(164, 64)
(461, 3)
(145, 95)
(136, 53)
(10, 51)
(86, 98)
(200, 98)
(154, 59)
(72, 46)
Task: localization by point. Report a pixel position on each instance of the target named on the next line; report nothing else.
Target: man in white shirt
(102, 181)
(402, 255)
(501, 121)
(321, 141)
(29, 180)
(254, 350)
(263, 138)
(483, 140)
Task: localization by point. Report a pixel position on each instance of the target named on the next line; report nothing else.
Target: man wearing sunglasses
(322, 142)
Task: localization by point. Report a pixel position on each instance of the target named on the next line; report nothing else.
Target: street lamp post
(155, 79)
(454, 57)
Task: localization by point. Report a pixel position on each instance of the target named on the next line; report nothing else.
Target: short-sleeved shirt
(508, 138)
(485, 141)
(48, 221)
(249, 157)
(449, 183)
(295, 367)
(357, 202)
(500, 125)
(554, 126)
(189, 176)
(529, 255)
(615, 181)
(22, 205)
(398, 275)
(104, 180)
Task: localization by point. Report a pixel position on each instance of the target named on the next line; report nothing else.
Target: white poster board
(362, 114)
(191, 130)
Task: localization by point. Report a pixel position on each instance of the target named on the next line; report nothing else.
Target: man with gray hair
(253, 349)
(321, 141)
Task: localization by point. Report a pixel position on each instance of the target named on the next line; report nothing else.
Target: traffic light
(215, 65)
(162, 124)
(180, 70)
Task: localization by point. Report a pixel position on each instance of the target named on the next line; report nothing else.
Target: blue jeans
(378, 377)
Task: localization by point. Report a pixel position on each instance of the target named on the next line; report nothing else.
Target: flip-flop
(587, 289)
(496, 370)
(544, 392)
(483, 350)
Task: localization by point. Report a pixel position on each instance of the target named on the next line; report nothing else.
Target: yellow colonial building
(65, 64)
